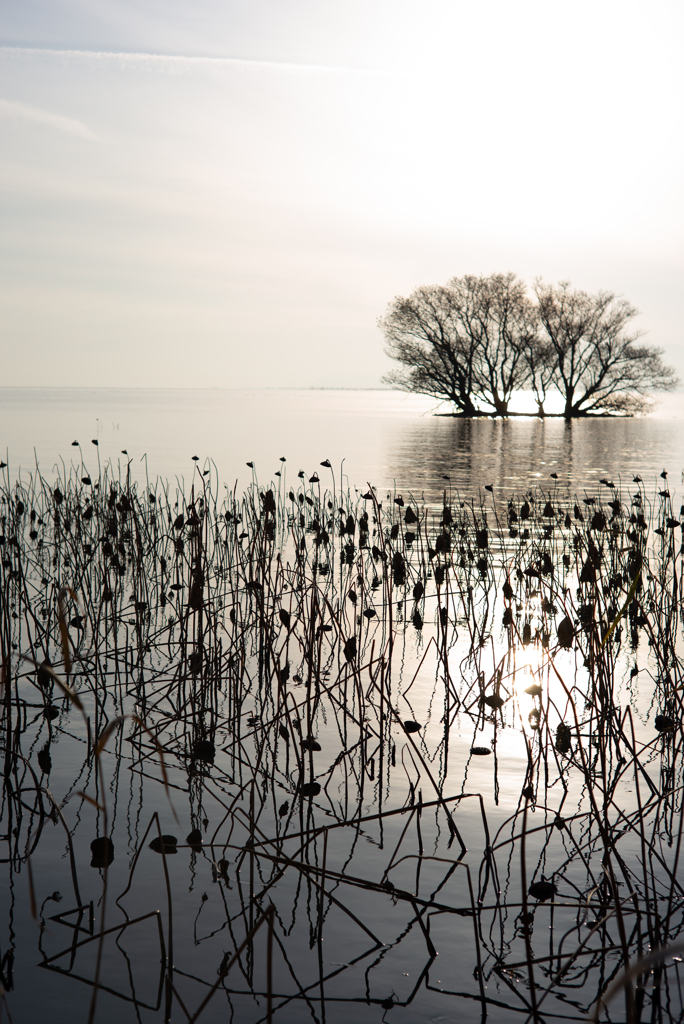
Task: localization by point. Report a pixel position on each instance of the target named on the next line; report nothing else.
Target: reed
(305, 679)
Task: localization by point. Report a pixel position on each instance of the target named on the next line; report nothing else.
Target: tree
(476, 340)
(422, 335)
(597, 365)
(502, 322)
(540, 362)
(467, 342)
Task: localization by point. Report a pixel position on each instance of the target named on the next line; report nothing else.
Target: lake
(384, 437)
(309, 750)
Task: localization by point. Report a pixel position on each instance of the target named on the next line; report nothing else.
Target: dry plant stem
(526, 920)
(266, 917)
(607, 862)
(224, 670)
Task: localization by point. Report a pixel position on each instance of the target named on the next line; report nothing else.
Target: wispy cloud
(174, 61)
(68, 125)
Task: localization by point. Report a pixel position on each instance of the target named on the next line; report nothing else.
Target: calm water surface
(393, 441)
(384, 437)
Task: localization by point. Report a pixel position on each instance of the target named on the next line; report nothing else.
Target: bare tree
(497, 316)
(422, 334)
(467, 342)
(597, 365)
(540, 363)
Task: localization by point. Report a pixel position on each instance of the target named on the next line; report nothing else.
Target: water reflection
(430, 456)
(381, 437)
(327, 699)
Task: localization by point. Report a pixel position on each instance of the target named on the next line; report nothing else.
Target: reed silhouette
(303, 680)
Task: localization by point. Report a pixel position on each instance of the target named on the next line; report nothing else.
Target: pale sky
(222, 194)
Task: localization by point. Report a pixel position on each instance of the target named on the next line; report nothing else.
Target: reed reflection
(305, 742)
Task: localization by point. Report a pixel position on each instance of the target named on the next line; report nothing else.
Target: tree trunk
(467, 407)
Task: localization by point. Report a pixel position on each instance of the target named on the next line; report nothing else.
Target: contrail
(179, 60)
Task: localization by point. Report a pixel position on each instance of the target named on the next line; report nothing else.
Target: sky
(228, 193)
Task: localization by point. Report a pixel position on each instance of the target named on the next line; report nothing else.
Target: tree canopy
(476, 340)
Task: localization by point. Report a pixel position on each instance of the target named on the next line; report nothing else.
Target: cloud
(170, 62)
(68, 125)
